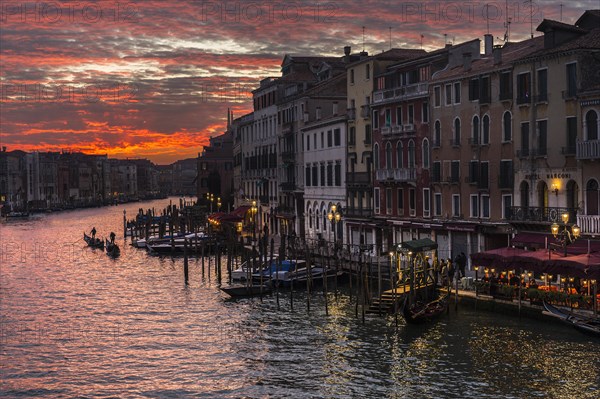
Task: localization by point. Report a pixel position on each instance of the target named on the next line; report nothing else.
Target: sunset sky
(153, 79)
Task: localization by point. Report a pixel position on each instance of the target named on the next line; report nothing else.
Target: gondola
(243, 290)
(112, 249)
(93, 242)
(586, 324)
(420, 312)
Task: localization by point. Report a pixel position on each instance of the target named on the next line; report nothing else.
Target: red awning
(240, 211)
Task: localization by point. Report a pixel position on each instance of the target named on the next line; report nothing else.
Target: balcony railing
(386, 130)
(588, 149)
(358, 178)
(540, 214)
(358, 212)
(399, 175)
(589, 224)
(401, 93)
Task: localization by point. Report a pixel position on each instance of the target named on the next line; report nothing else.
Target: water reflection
(74, 322)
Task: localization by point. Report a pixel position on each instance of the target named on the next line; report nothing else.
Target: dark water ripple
(75, 323)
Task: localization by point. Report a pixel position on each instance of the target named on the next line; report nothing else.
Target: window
(507, 127)
(425, 112)
(506, 205)
(352, 136)
(411, 154)
(571, 80)
(485, 90)
(524, 139)
(437, 204)
(352, 76)
(337, 137)
(338, 173)
(322, 139)
(329, 174)
(388, 155)
(475, 130)
(412, 201)
(455, 171)
(448, 94)
(375, 119)
(398, 116)
(437, 96)
(505, 86)
(329, 138)
(399, 155)
(484, 178)
(591, 125)
(506, 174)
(400, 201)
(485, 134)
(456, 205)
(388, 201)
(323, 183)
(388, 117)
(542, 140)
(315, 141)
(474, 209)
(474, 89)
(307, 175)
(523, 88)
(376, 156)
(456, 138)
(542, 83)
(425, 149)
(368, 71)
(426, 203)
(437, 172)
(457, 93)
(411, 113)
(376, 200)
(315, 175)
(308, 143)
(473, 171)
(485, 206)
(368, 134)
(437, 134)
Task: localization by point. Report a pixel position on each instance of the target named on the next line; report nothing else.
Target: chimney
(497, 55)
(467, 61)
(488, 41)
(347, 50)
(3, 148)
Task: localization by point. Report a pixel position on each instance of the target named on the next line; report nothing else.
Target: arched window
(425, 149)
(376, 156)
(592, 198)
(399, 155)
(542, 194)
(474, 130)
(456, 138)
(591, 125)
(507, 126)
(485, 132)
(437, 134)
(411, 154)
(310, 217)
(388, 155)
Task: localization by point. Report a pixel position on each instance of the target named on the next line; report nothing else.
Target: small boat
(165, 246)
(583, 323)
(112, 249)
(17, 215)
(243, 290)
(420, 312)
(93, 242)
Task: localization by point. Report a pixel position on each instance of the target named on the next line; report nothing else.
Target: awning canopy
(237, 215)
(424, 244)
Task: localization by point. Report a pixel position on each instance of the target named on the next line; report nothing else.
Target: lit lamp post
(567, 237)
(334, 217)
(254, 210)
(219, 204)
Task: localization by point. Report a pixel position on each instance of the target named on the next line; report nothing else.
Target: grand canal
(75, 323)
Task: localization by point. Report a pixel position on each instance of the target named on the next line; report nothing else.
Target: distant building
(214, 169)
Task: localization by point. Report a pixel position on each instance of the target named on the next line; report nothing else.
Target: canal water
(75, 323)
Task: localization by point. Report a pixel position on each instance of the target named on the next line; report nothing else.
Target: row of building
(51, 180)
(464, 146)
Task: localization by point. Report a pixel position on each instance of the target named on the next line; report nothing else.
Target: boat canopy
(422, 245)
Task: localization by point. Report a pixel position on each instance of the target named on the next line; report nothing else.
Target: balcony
(288, 157)
(589, 224)
(365, 111)
(358, 212)
(401, 93)
(540, 214)
(398, 175)
(288, 186)
(588, 149)
(358, 178)
(408, 128)
(386, 130)
(351, 112)
(396, 129)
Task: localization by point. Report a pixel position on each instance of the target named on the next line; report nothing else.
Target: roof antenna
(531, 17)
(422, 36)
(390, 37)
(561, 7)
(507, 25)
(363, 39)
(445, 39)
(487, 17)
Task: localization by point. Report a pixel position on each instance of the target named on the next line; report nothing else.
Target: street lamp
(567, 237)
(334, 217)
(219, 204)
(254, 210)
